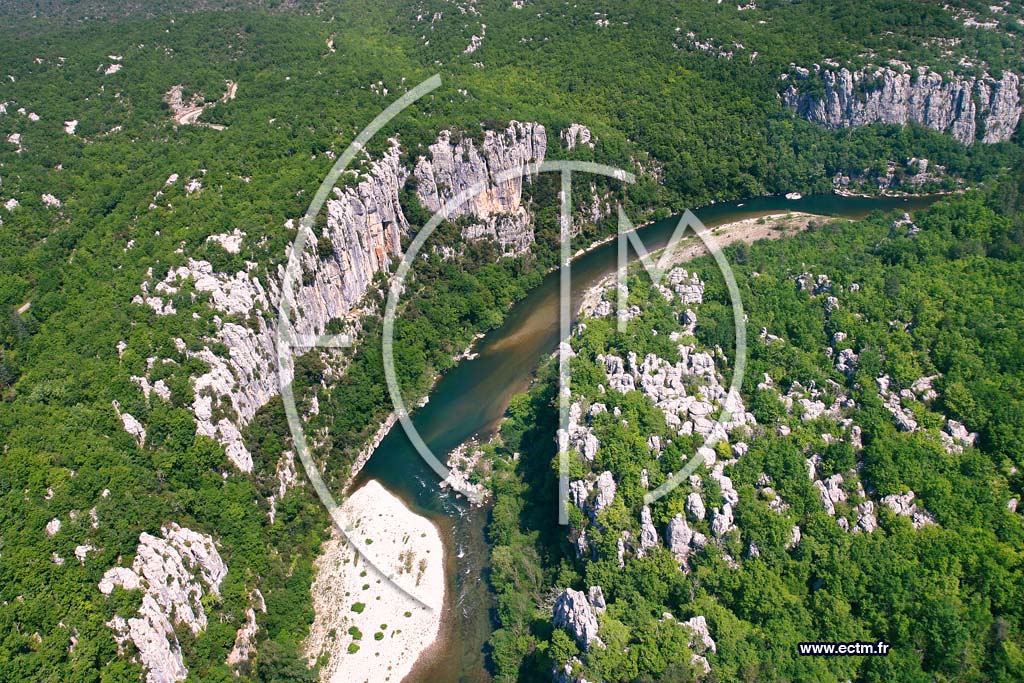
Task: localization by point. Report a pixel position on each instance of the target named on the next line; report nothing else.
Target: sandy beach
(379, 608)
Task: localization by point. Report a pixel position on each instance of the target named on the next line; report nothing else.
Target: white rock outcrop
(722, 521)
(648, 532)
(831, 492)
(701, 643)
(665, 384)
(53, 527)
(131, 425)
(580, 494)
(903, 504)
(579, 436)
(493, 174)
(968, 108)
(682, 540)
(574, 612)
(576, 135)
(695, 506)
(172, 572)
(231, 242)
(242, 650)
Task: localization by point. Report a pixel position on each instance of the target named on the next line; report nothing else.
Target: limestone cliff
(496, 199)
(362, 238)
(365, 225)
(968, 108)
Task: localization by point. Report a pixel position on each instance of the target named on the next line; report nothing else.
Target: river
(471, 399)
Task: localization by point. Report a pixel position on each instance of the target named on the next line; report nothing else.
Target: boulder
(695, 506)
(573, 612)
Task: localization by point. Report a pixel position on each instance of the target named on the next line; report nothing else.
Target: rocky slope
(968, 108)
(363, 234)
(709, 512)
(171, 571)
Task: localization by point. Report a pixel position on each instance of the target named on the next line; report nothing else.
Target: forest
(947, 596)
(95, 214)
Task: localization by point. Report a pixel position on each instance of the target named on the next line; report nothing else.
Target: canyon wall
(968, 108)
(364, 229)
(460, 167)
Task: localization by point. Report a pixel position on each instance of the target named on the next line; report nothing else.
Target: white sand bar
(397, 577)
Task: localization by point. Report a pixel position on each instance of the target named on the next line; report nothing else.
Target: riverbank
(472, 397)
(747, 230)
(378, 596)
(896, 194)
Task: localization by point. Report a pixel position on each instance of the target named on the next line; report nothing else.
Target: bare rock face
(831, 492)
(580, 494)
(722, 520)
(52, 527)
(131, 425)
(243, 647)
(172, 572)
(695, 506)
(846, 362)
(702, 634)
(966, 107)
(903, 504)
(362, 238)
(955, 436)
(701, 642)
(687, 286)
(574, 612)
(493, 174)
(866, 520)
(648, 533)
(905, 420)
(794, 537)
(580, 435)
(665, 384)
(605, 486)
(678, 535)
(576, 135)
(681, 539)
(365, 225)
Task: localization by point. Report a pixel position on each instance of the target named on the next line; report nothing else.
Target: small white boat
(794, 195)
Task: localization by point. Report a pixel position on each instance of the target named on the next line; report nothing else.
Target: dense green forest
(696, 128)
(947, 596)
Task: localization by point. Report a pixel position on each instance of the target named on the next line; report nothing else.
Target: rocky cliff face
(362, 238)
(966, 107)
(492, 174)
(365, 225)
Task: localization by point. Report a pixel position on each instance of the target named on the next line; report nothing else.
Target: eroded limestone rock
(172, 572)
(966, 107)
(574, 612)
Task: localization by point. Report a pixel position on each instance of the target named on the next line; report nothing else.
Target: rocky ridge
(364, 228)
(968, 108)
(171, 571)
